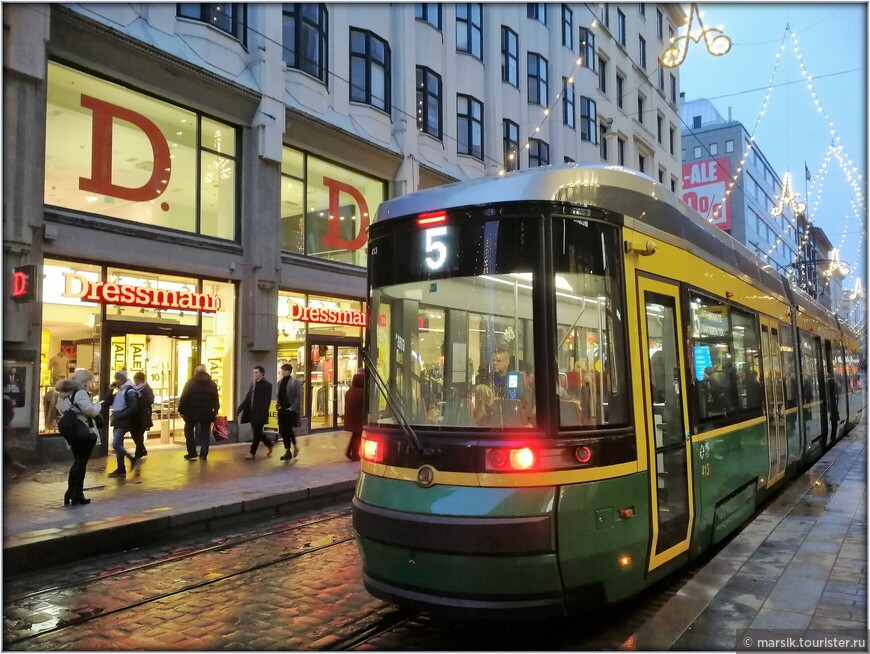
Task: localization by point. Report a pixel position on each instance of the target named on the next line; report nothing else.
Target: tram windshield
(453, 324)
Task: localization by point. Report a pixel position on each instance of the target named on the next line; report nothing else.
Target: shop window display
(91, 320)
(320, 337)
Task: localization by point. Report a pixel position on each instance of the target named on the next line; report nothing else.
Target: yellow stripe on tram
(697, 438)
(504, 479)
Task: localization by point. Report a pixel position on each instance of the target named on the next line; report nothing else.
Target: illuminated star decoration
(837, 267)
(714, 38)
(788, 198)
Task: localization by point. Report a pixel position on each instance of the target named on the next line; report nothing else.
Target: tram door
(668, 434)
(775, 401)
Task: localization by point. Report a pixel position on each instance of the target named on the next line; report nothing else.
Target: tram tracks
(27, 603)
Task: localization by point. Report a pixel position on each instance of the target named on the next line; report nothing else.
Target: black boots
(75, 497)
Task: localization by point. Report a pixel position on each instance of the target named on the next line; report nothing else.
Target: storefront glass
(161, 325)
(121, 154)
(326, 209)
(320, 337)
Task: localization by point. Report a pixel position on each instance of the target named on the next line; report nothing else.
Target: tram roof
(545, 183)
(617, 189)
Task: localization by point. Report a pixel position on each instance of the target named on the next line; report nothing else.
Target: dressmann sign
(77, 286)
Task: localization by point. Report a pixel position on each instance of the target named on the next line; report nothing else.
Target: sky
(832, 41)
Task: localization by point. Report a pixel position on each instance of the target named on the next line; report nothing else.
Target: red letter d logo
(101, 156)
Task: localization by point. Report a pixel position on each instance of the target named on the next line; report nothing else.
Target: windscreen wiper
(394, 404)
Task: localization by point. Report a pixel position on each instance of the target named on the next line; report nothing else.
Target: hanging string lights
(751, 140)
(853, 175)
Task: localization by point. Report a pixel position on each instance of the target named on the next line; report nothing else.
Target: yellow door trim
(644, 285)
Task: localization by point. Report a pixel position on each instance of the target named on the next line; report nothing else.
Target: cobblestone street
(285, 587)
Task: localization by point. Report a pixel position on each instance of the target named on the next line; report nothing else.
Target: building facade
(192, 183)
(753, 213)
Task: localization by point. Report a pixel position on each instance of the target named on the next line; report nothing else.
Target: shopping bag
(220, 430)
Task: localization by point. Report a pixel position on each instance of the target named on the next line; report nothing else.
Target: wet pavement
(166, 495)
(800, 564)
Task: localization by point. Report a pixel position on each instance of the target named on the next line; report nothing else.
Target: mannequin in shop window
(58, 366)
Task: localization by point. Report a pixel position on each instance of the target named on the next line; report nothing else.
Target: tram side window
(840, 369)
(789, 372)
(590, 332)
(810, 370)
(726, 357)
(746, 355)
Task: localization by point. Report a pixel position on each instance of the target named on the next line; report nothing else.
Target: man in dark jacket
(289, 400)
(354, 402)
(255, 410)
(199, 406)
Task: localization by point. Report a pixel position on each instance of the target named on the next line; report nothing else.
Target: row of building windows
(711, 150)
(305, 27)
(305, 33)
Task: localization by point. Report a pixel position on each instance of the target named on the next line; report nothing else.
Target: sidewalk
(799, 565)
(166, 493)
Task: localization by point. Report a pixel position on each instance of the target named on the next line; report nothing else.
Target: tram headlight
(522, 458)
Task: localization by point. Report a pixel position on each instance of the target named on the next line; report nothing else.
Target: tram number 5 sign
(436, 247)
(704, 186)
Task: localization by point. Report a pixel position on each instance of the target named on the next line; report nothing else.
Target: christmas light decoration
(835, 266)
(717, 46)
(788, 198)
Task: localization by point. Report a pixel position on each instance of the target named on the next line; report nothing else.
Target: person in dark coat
(199, 406)
(142, 420)
(354, 414)
(8, 414)
(73, 394)
(288, 401)
(255, 410)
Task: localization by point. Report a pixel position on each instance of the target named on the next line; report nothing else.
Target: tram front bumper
(428, 551)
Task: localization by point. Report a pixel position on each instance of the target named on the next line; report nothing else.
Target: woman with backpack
(73, 395)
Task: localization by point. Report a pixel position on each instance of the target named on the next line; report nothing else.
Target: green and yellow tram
(576, 384)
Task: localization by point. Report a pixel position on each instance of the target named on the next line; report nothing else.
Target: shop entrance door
(167, 354)
(331, 366)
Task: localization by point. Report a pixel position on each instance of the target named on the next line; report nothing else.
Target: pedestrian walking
(73, 394)
(289, 400)
(9, 413)
(142, 420)
(124, 406)
(199, 406)
(255, 410)
(354, 401)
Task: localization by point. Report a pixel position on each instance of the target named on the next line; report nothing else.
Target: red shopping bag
(220, 430)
